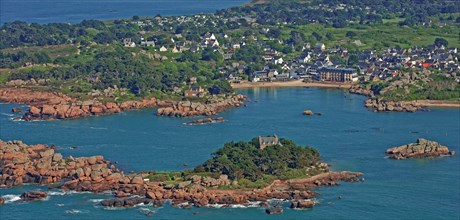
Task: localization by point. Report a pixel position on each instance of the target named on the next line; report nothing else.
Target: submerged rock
(302, 204)
(33, 196)
(274, 210)
(422, 149)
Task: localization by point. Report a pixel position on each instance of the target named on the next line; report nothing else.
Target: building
(127, 42)
(268, 141)
(195, 91)
(337, 74)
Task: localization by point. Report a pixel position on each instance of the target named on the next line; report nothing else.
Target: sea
(348, 136)
(74, 11)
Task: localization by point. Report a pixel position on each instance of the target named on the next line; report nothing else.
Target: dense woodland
(245, 160)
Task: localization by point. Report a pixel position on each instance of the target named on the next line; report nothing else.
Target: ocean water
(348, 136)
(74, 11)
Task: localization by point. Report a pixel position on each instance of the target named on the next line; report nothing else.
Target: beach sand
(293, 83)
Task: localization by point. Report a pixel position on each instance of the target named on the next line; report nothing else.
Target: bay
(74, 11)
(348, 136)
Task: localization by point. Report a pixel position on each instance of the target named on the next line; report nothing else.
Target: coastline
(337, 85)
(42, 165)
(294, 83)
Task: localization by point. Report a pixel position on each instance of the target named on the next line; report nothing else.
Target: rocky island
(422, 149)
(217, 181)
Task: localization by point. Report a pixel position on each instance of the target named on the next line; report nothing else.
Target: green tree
(350, 34)
(441, 42)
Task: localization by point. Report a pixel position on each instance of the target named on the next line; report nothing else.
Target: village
(313, 62)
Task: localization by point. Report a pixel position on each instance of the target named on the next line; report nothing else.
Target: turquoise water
(74, 11)
(347, 135)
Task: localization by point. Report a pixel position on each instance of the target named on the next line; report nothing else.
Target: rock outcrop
(33, 196)
(210, 107)
(302, 204)
(80, 109)
(274, 210)
(356, 89)
(308, 112)
(2, 201)
(422, 149)
(40, 164)
(380, 105)
(52, 105)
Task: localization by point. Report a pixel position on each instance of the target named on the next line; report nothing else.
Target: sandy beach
(439, 103)
(294, 83)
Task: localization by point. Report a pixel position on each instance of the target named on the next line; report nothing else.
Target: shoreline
(439, 103)
(294, 83)
(42, 165)
(336, 85)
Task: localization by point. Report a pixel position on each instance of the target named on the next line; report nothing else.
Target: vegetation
(245, 161)
(431, 87)
(77, 58)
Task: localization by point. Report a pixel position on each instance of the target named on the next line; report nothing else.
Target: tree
(441, 42)
(317, 36)
(135, 18)
(350, 34)
(221, 87)
(104, 38)
(458, 19)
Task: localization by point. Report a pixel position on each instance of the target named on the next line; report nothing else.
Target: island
(422, 149)
(239, 173)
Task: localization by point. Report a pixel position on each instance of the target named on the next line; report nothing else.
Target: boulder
(308, 112)
(57, 157)
(302, 204)
(33, 196)
(34, 110)
(274, 210)
(137, 180)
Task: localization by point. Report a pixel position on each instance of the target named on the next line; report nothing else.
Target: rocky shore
(210, 107)
(51, 105)
(380, 105)
(422, 149)
(40, 164)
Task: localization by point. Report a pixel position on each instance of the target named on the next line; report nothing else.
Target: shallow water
(347, 135)
(74, 11)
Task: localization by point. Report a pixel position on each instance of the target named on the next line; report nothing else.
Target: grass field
(381, 36)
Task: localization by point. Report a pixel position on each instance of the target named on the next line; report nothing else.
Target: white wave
(59, 204)
(216, 206)
(9, 115)
(64, 193)
(11, 198)
(238, 206)
(253, 204)
(96, 200)
(76, 211)
(98, 128)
